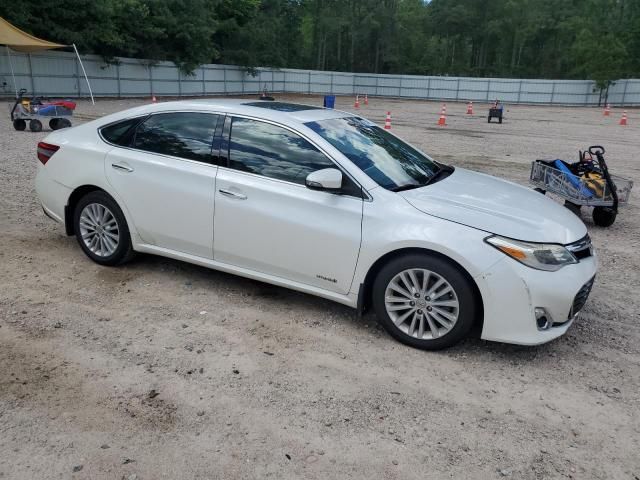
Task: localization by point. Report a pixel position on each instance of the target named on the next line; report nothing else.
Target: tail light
(46, 151)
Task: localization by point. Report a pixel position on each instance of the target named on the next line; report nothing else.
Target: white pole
(15, 87)
(85, 74)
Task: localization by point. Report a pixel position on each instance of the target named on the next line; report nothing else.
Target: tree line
(596, 39)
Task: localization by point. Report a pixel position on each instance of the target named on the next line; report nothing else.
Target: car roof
(281, 112)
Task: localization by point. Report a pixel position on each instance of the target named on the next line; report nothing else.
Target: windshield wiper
(408, 186)
(445, 170)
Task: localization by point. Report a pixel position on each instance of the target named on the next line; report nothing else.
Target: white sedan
(327, 203)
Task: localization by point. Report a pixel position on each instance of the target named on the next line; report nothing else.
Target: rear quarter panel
(81, 161)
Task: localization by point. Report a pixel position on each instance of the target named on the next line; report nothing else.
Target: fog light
(543, 319)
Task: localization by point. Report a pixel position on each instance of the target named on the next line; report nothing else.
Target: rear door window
(182, 134)
(119, 133)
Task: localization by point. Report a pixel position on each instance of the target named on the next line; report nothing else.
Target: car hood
(497, 206)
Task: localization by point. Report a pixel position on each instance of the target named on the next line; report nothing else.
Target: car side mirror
(325, 179)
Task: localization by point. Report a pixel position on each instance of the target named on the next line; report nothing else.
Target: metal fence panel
(296, 81)
(101, 87)
(20, 64)
(474, 89)
(67, 87)
(343, 83)
(98, 69)
(130, 69)
(134, 88)
(52, 66)
(212, 73)
(214, 87)
(632, 93)
(58, 73)
(165, 72)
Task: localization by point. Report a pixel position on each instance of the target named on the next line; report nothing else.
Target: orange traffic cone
(153, 99)
(357, 104)
(387, 122)
(470, 108)
(607, 110)
(366, 99)
(623, 120)
(442, 121)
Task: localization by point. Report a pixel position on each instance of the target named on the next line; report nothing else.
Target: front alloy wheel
(425, 301)
(421, 304)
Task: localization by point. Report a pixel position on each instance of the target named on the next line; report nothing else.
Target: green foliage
(597, 39)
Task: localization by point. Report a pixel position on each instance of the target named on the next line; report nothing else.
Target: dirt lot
(161, 369)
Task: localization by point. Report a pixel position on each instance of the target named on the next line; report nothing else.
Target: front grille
(581, 298)
(582, 248)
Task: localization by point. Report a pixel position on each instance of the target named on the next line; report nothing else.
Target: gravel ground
(160, 369)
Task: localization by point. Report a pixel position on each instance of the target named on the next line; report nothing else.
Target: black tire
(489, 119)
(500, 119)
(19, 125)
(35, 125)
(604, 216)
(540, 190)
(124, 250)
(462, 286)
(64, 123)
(54, 123)
(573, 207)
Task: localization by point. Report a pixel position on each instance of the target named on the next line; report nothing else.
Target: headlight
(541, 256)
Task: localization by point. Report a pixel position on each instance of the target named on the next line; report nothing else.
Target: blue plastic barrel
(329, 101)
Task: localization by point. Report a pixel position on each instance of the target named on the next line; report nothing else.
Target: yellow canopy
(16, 39)
(20, 41)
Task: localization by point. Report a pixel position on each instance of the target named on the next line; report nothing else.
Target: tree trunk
(514, 48)
(339, 49)
(376, 55)
(352, 51)
(453, 53)
(520, 52)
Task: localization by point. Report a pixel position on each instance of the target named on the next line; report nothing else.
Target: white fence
(59, 74)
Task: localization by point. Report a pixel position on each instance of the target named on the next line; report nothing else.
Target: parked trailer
(36, 111)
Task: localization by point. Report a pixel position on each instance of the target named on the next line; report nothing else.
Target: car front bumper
(511, 293)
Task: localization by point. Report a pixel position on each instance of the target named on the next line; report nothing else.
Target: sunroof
(281, 106)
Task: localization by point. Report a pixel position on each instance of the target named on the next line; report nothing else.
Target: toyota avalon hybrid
(327, 203)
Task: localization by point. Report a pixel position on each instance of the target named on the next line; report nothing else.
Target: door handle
(122, 168)
(232, 194)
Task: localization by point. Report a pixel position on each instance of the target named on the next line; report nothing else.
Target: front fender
(392, 226)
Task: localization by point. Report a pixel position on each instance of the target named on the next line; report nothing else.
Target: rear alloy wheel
(101, 229)
(424, 301)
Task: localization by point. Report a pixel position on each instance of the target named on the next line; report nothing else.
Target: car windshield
(389, 161)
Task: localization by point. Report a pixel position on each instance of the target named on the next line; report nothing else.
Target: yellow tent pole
(85, 74)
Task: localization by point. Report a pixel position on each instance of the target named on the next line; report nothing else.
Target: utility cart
(37, 111)
(586, 183)
(496, 111)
